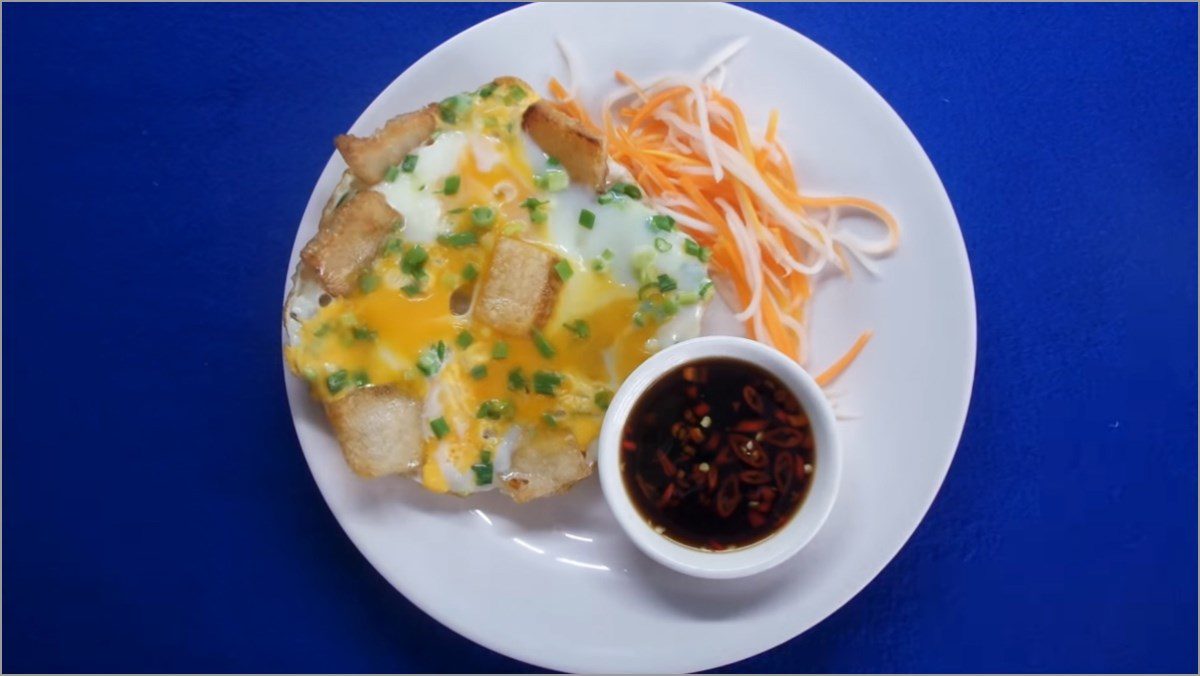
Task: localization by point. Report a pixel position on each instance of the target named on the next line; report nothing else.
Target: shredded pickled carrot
(690, 147)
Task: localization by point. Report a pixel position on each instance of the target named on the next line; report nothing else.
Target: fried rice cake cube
(547, 463)
(581, 151)
(370, 157)
(346, 188)
(379, 430)
(350, 240)
(520, 289)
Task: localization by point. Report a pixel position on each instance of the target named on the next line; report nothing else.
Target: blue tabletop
(157, 514)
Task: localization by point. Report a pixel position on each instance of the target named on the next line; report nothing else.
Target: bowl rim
(766, 553)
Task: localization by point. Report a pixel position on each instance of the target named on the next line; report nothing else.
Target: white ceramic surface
(744, 561)
(557, 583)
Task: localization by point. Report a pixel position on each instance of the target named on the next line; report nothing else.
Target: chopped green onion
(542, 344)
(440, 427)
(705, 254)
(667, 283)
(557, 180)
(661, 245)
(450, 187)
(470, 272)
(495, 409)
(599, 264)
(428, 363)
(605, 198)
(691, 248)
(587, 219)
(411, 289)
(689, 298)
(409, 163)
(322, 330)
(368, 282)
(628, 189)
(459, 240)
(550, 420)
(516, 380)
(414, 260)
(337, 381)
(500, 350)
(483, 473)
(544, 382)
(538, 216)
(479, 371)
(515, 94)
(483, 217)
(440, 350)
(486, 90)
(361, 379)
(455, 212)
(607, 254)
(553, 162)
(664, 223)
(639, 319)
(391, 174)
(342, 200)
(603, 398)
(563, 268)
(362, 333)
(579, 328)
(647, 290)
(394, 245)
(464, 339)
(670, 307)
(706, 289)
(454, 108)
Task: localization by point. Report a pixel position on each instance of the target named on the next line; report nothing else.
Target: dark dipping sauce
(717, 454)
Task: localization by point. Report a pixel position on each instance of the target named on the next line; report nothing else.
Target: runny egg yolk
(409, 324)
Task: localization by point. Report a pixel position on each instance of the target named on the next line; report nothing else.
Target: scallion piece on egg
(516, 380)
(368, 282)
(661, 222)
(661, 245)
(579, 328)
(500, 350)
(603, 398)
(459, 240)
(563, 269)
(450, 187)
(409, 164)
(587, 219)
(667, 283)
(470, 272)
(545, 382)
(464, 339)
(440, 427)
(543, 346)
(483, 217)
(337, 381)
(479, 371)
(391, 174)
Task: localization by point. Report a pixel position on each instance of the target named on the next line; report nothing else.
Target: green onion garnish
(486, 90)
(628, 189)
(542, 344)
(579, 328)
(500, 350)
(440, 427)
(706, 289)
(639, 319)
(495, 409)
(479, 371)
(391, 174)
(691, 248)
(557, 180)
(516, 380)
(670, 307)
(454, 108)
(661, 245)
(603, 398)
(605, 198)
(464, 339)
(362, 333)
(544, 382)
(587, 219)
(515, 94)
(553, 162)
(368, 282)
(483, 472)
(459, 240)
(440, 350)
(409, 163)
(450, 187)
(664, 223)
(414, 260)
(563, 268)
(667, 283)
(470, 272)
(411, 289)
(550, 420)
(360, 379)
(322, 330)
(394, 245)
(689, 298)
(337, 381)
(428, 363)
(483, 217)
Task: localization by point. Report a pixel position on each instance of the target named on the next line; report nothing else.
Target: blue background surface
(157, 514)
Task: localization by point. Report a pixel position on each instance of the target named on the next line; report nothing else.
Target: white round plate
(556, 583)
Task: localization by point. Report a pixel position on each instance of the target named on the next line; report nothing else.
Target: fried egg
(499, 407)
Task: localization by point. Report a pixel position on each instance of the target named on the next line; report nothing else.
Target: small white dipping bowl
(793, 535)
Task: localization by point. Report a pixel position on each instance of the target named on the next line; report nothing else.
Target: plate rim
(947, 208)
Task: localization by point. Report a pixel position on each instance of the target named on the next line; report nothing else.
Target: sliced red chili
(785, 470)
(783, 437)
(754, 477)
(752, 398)
(728, 496)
